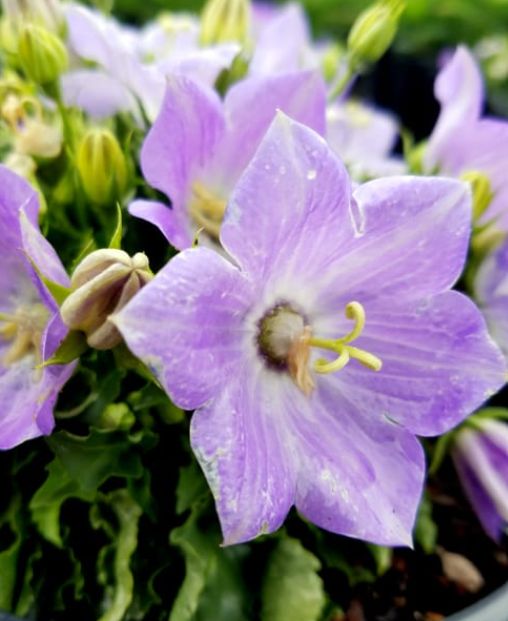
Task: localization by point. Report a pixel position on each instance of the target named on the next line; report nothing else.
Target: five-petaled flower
(30, 324)
(323, 344)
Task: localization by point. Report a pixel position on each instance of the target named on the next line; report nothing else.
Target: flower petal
(185, 324)
(97, 93)
(182, 139)
(304, 217)
(170, 223)
(250, 106)
(413, 235)
(359, 474)
(240, 442)
(15, 193)
(439, 364)
(459, 89)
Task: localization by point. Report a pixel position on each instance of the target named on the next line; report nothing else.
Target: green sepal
(440, 451)
(58, 292)
(426, 530)
(115, 242)
(71, 348)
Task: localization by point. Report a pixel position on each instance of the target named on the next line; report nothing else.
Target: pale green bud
(101, 166)
(225, 20)
(481, 190)
(42, 55)
(331, 61)
(101, 286)
(373, 31)
(46, 13)
(116, 416)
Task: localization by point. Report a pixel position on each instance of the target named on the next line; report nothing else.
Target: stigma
(285, 341)
(23, 329)
(207, 210)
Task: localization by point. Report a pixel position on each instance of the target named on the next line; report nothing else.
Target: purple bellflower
(199, 146)
(328, 339)
(30, 325)
(464, 141)
(480, 454)
(491, 292)
(363, 138)
(133, 64)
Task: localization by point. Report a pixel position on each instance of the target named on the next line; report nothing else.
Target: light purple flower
(133, 64)
(199, 146)
(363, 137)
(491, 292)
(480, 454)
(463, 140)
(239, 340)
(30, 326)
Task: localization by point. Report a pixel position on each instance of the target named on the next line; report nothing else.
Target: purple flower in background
(328, 341)
(133, 64)
(463, 140)
(491, 292)
(480, 454)
(30, 325)
(199, 146)
(363, 137)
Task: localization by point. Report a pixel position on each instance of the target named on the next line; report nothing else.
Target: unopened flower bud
(101, 166)
(482, 192)
(47, 13)
(101, 285)
(42, 54)
(225, 20)
(373, 31)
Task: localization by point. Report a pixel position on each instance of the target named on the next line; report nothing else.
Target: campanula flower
(199, 146)
(30, 325)
(464, 141)
(480, 454)
(491, 292)
(322, 344)
(133, 64)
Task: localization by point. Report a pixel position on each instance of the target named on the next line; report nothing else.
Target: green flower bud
(373, 31)
(47, 13)
(225, 20)
(116, 416)
(331, 61)
(101, 166)
(482, 192)
(42, 55)
(101, 285)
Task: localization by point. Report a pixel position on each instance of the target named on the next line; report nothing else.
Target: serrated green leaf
(119, 594)
(426, 530)
(116, 239)
(91, 460)
(200, 561)
(9, 556)
(292, 588)
(71, 348)
(46, 504)
(191, 487)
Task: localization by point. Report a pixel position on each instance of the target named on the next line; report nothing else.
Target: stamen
(356, 312)
(207, 210)
(24, 331)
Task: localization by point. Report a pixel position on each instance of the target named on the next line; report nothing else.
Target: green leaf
(292, 588)
(200, 561)
(9, 556)
(191, 487)
(116, 239)
(73, 345)
(125, 540)
(382, 557)
(426, 530)
(47, 501)
(91, 460)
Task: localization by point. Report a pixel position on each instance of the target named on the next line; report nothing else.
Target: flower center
(285, 342)
(24, 330)
(207, 210)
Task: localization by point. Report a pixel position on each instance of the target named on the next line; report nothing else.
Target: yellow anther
(24, 330)
(355, 312)
(207, 210)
